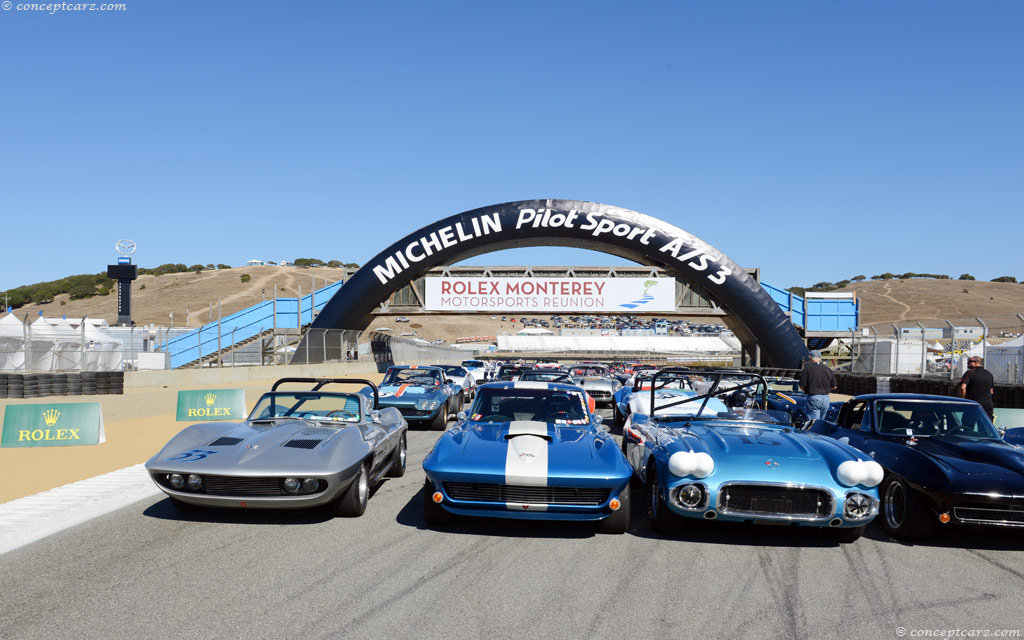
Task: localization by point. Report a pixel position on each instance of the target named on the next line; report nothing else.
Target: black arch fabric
(569, 223)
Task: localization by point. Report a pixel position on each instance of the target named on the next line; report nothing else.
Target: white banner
(528, 295)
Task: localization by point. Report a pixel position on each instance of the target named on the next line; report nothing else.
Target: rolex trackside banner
(526, 295)
(53, 425)
(209, 405)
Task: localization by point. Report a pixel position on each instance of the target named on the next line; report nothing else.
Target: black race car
(944, 461)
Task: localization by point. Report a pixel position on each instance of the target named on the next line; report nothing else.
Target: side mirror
(460, 416)
(598, 421)
(375, 415)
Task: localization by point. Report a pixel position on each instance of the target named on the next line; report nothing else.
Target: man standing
(817, 381)
(977, 385)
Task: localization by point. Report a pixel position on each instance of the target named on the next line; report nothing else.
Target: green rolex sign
(53, 425)
(209, 405)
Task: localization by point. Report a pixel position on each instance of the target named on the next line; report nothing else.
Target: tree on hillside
(198, 268)
(857, 278)
(223, 266)
(884, 276)
(334, 264)
(308, 262)
(1004, 279)
(965, 276)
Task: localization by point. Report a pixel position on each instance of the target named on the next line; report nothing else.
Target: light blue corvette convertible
(528, 450)
(421, 394)
(716, 453)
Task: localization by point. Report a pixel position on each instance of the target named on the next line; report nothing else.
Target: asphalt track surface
(148, 571)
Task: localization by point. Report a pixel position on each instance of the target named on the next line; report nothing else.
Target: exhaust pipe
(710, 515)
(835, 522)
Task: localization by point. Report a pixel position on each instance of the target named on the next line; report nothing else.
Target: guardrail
(278, 313)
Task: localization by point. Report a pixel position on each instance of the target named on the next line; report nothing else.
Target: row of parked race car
(701, 444)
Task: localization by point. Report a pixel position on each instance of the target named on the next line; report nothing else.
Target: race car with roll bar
(702, 457)
(296, 449)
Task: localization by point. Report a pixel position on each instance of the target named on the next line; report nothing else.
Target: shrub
(1004, 279)
(223, 266)
(857, 278)
(965, 276)
(245, 277)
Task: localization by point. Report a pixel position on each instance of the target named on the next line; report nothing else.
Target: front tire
(662, 520)
(398, 458)
(618, 522)
(352, 503)
(440, 421)
(433, 514)
(905, 513)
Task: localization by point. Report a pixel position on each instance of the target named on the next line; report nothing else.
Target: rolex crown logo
(51, 416)
(210, 399)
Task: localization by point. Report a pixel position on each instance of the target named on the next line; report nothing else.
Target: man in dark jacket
(817, 381)
(976, 384)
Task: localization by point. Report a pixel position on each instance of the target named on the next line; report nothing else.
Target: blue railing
(817, 314)
(247, 323)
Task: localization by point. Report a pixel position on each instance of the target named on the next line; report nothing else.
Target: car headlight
(690, 496)
(291, 485)
(195, 483)
(176, 480)
(427, 405)
(859, 506)
(688, 463)
(309, 485)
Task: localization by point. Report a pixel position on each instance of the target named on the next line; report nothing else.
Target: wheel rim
(401, 453)
(894, 505)
(364, 486)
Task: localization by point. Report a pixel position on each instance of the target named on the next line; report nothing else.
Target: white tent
(1006, 361)
(535, 331)
(55, 346)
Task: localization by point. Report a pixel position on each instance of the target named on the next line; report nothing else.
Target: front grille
(228, 486)
(1009, 517)
(224, 441)
(525, 495)
(599, 394)
(303, 443)
(806, 503)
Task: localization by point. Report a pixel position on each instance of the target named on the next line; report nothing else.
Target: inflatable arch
(755, 318)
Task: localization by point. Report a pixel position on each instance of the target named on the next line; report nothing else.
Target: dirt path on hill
(906, 307)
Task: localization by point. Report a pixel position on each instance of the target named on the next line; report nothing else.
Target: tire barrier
(44, 385)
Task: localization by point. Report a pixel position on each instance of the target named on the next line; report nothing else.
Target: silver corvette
(296, 449)
(597, 380)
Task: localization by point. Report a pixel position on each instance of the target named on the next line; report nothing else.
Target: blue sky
(815, 140)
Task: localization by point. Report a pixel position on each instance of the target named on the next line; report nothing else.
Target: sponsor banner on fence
(53, 425)
(207, 405)
(528, 295)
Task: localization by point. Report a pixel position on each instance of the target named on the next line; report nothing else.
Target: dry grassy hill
(154, 297)
(932, 302)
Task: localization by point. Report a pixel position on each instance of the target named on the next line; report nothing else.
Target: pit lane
(149, 571)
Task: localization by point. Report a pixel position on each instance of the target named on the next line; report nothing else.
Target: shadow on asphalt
(957, 537)
(164, 510)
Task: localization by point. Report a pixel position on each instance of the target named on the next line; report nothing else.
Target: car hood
(748, 451)
(256, 448)
(527, 452)
(974, 457)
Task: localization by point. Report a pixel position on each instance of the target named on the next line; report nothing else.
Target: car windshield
(933, 418)
(719, 395)
(425, 377)
(499, 404)
(451, 369)
(473, 364)
(545, 376)
(511, 370)
(582, 372)
(318, 405)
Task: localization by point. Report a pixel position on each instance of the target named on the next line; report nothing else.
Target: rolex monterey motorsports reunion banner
(527, 295)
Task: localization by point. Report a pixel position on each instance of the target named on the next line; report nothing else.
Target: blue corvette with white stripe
(528, 450)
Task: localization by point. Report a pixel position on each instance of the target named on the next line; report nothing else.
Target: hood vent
(303, 443)
(224, 442)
